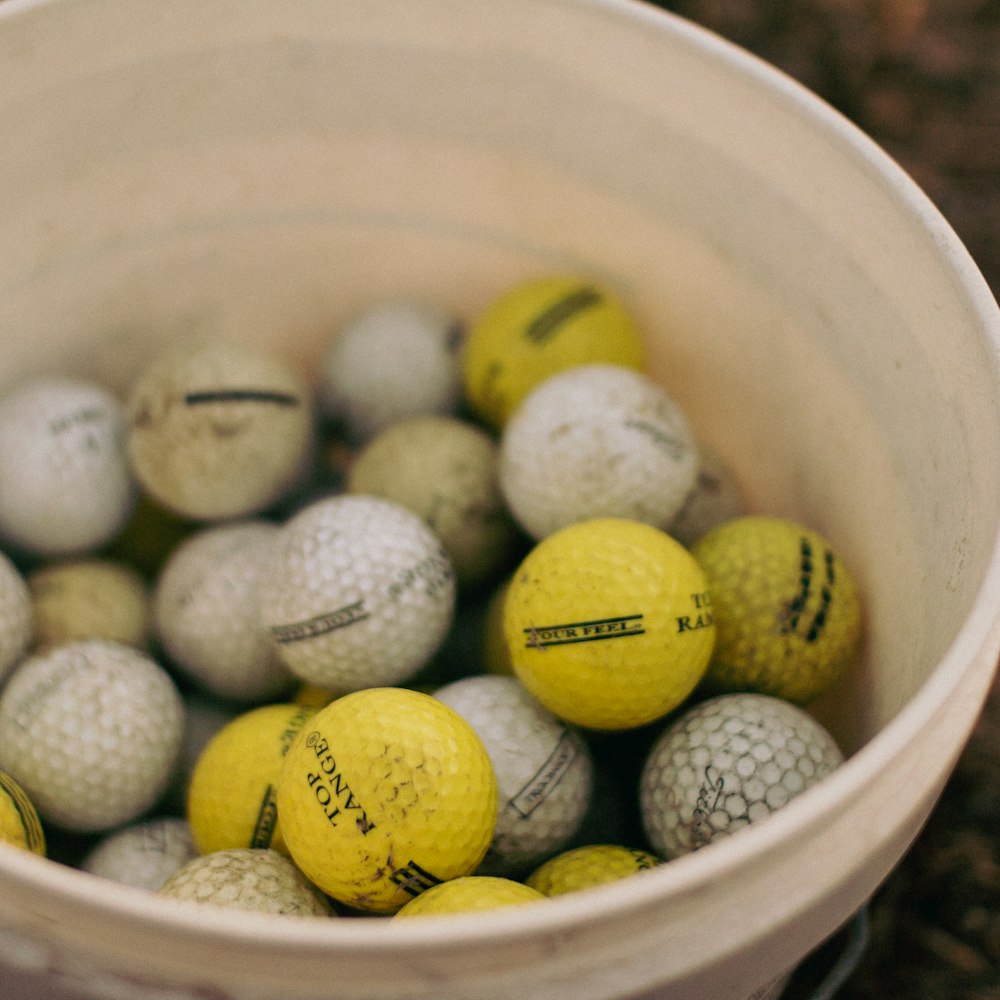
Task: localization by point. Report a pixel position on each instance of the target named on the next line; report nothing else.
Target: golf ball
(218, 430)
(585, 867)
(144, 854)
(787, 610)
(391, 362)
(609, 623)
(385, 793)
(726, 763)
(538, 328)
(714, 498)
(19, 822)
(543, 769)
(91, 731)
(16, 616)
(65, 484)
(357, 592)
(207, 617)
(468, 894)
(596, 441)
(247, 879)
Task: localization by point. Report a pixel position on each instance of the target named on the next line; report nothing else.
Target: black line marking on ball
(34, 835)
(826, 598)
(596, 630)
(798, 603)
(267, 818)
(241, 396)
(413, 879)
(545, 324)
(311, 628)
(547, 778)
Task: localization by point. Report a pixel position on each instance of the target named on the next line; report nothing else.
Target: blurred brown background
(922, 77)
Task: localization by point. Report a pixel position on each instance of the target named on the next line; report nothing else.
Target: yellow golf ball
(609, 623)
(585, 867)
(538, 328)
(232, 797)
(473, 892)
(787, 609)
(386, 793)
(19, 822)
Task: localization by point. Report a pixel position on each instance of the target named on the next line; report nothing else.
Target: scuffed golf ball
(91, 731)
(357, 592)
(543, 769)
(247, 879)
(726, 763)
(144, 854)
(596, 441)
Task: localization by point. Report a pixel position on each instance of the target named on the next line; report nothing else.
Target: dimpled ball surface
(19, 822)
(585, 867)
(472, 892)
(596, 441)
(726, 763)
(206, 614)
(538, 328)
(392, 361)
(233, 793)
(543, 769)
(787, 609)
(357, 592)
(386, 793)
(144, 854)
(65, 483)
(445, 471)
(218, 430)
(91, 730)
(16, 616)
(609, 624)
(89, 599)
(247, 879)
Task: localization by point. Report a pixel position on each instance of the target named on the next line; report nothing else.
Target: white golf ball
(543, 769)
(596, 441)
(91, 731)
(247, 879)
(391, 362)
(726, 763)
(445, 470)
(16, 616)
(206, 614)
(144, 854)
(65, 484)
(357, 592)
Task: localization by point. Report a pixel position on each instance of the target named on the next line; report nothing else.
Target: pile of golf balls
(468, 617)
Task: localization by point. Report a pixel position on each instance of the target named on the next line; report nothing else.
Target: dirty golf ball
(206, 614)
(585, 867)
(445, 471)
(386, 793)
(247, 879)
(233, 793)
(726, 763)
(19, 822)
(144, 854)
(609, 623)
(91, 731)
(391, 362)
(65, 483)
(16, 616)
(357, 592)
(539, 328)
(467, 894)
(89, 599)
(787, 610)
(543, 769)
(218, 430)
(714, 498)
(596, 441)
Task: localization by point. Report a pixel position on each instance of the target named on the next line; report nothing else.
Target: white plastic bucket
(263, 169)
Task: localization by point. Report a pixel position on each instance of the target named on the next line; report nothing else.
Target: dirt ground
(922, 77)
